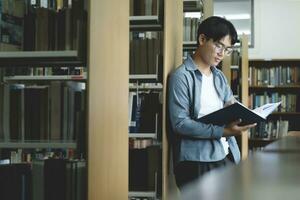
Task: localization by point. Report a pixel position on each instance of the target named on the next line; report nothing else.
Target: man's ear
(201, 39)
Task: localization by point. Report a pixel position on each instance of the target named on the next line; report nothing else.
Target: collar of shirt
(191, 66)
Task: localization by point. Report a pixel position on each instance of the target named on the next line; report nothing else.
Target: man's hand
(233, 129)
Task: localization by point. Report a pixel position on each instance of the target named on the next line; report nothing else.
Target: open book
(237, 111)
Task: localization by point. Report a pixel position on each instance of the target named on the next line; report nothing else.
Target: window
(240, 13)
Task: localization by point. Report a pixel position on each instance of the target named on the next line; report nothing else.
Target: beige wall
(276, 28)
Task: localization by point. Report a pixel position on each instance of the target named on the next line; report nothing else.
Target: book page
(266, 109)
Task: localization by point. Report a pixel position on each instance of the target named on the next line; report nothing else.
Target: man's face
(212, 53)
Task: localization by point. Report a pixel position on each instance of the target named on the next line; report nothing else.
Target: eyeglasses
(219, 48)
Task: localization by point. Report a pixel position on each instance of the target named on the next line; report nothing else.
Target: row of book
(187, 52)
(145, 52)
(192, 5)
(144, 112)
(15, 181)
(274, 76)
(235, 81)
(50, 179)
(26, 27)
(44, 71)
(235, 72)
(289, 102)
(140, 143)
(190, 26)
(270, 130)
(144, 7)
(8, 156)
(53, 4)
(54, 111)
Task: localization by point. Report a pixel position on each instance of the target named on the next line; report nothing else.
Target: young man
(197, 88)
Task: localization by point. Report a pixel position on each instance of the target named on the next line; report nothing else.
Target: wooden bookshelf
(34, 121)
(244, 93)
(277, 79)
(108, 59)
(243, 68)
(172, 58)
(38, 40)
(191, 11)
(171, 41)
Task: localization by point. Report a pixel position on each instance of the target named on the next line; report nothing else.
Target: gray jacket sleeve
(180, 105)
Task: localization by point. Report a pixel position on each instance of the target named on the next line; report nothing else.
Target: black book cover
(238, 111)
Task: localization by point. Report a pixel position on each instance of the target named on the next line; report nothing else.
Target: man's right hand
(233, 129)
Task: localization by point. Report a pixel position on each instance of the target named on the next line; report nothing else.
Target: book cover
(237, 111)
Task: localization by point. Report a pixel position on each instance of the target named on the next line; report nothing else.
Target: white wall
(277, 29)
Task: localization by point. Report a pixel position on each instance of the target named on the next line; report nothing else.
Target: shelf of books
(45, 32)
(146, 56)
(192, 16)
(146, 15)
(273, 81)
(43, 120)
(152, 56)
(144, 104)
(43, 107)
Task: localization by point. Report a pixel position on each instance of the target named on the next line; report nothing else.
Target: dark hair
(216, 28)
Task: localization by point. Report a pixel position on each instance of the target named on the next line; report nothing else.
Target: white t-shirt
(210, 102)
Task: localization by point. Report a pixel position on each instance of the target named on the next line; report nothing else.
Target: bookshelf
(272, 80)
(43, 84)
(144, 105)
(235, 69)
(194, 11)
(158, 43)
(193, 14)
(63, 124)
(146, 15)
(51, 33)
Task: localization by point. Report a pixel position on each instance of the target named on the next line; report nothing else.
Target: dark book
(15, 182)
(238, 111)
(42, 29)
(144, 168)
(36, 113)
(11, 32)
(55, 110)
(60, 30)
(29, 31)
(16, 114)
(136, 114)
(143, 66)
(64, 179)
(55, 179)
(149, 111)
(138, 170)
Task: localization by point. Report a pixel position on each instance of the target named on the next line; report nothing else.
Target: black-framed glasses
(219, 48)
